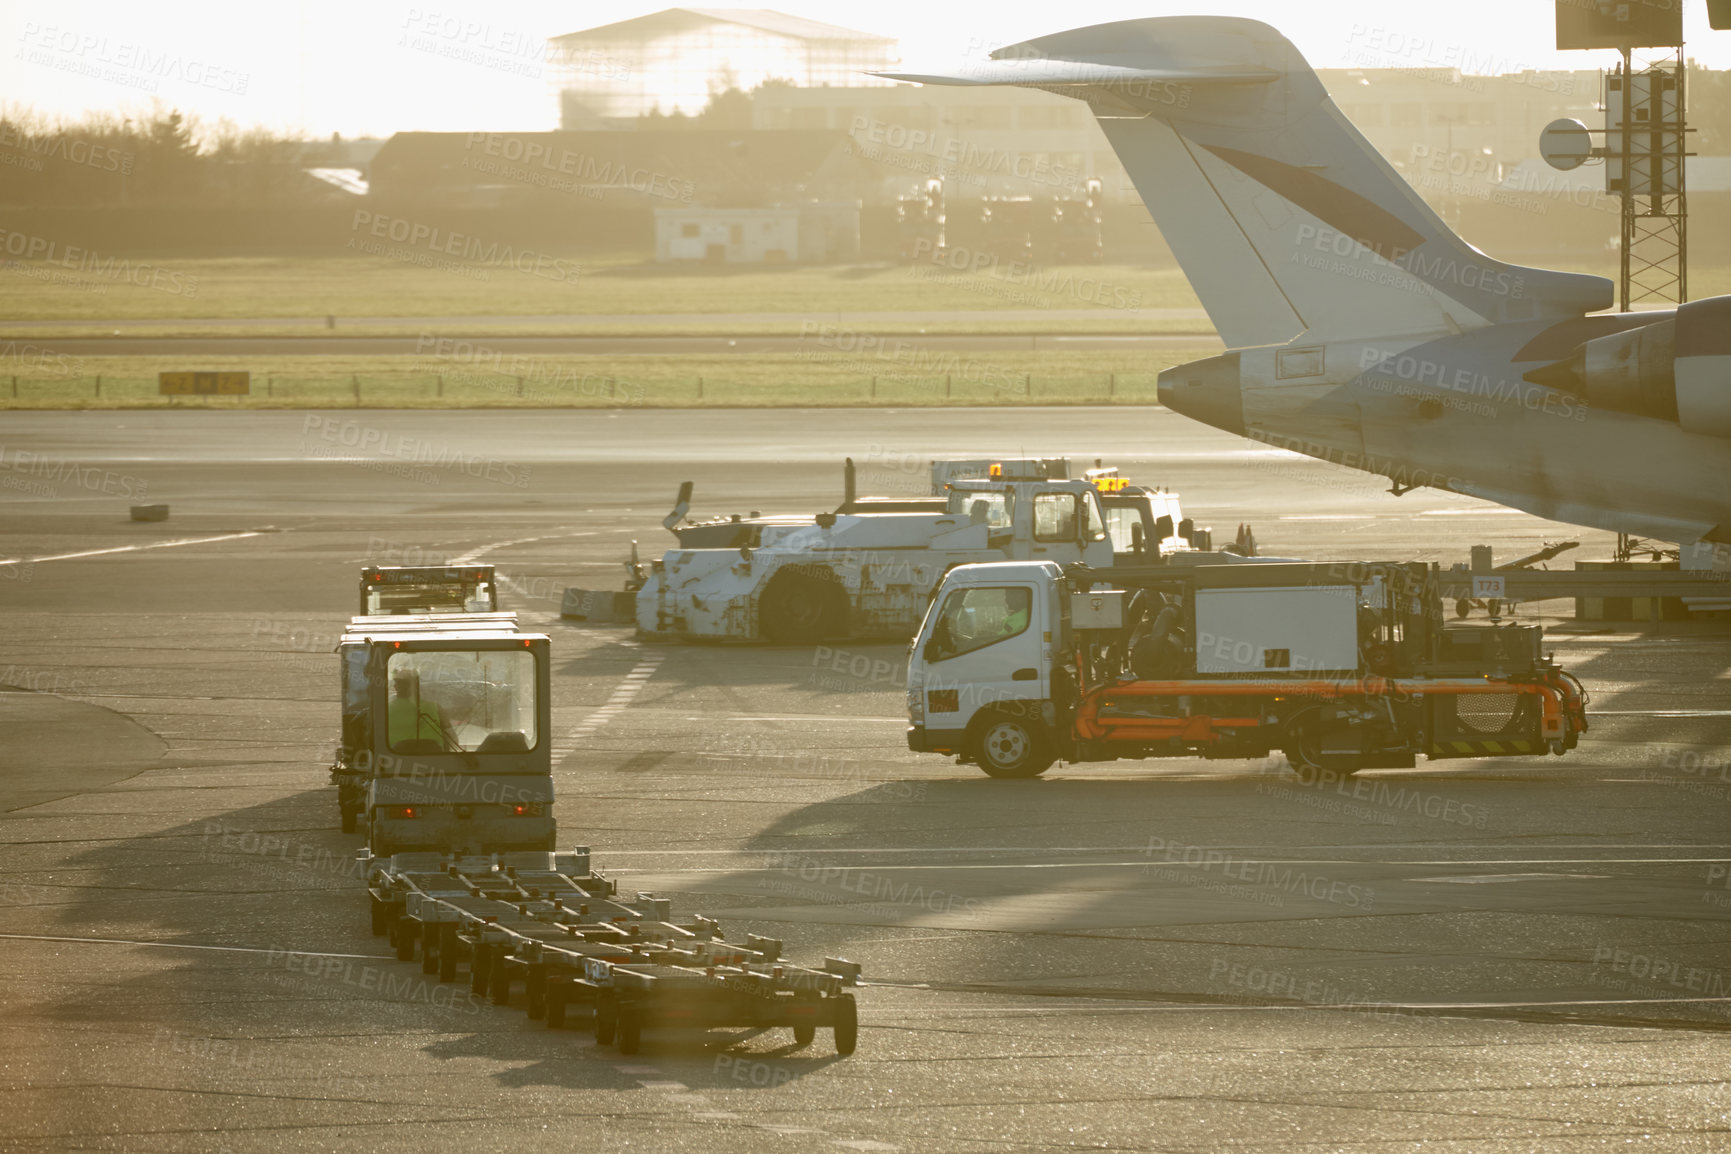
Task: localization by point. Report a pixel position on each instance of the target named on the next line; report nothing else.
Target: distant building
(676, 59)
(987, 141)
(815, 233)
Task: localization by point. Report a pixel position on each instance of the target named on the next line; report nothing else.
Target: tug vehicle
(445, 735)
(1341, 666)
(869, 568)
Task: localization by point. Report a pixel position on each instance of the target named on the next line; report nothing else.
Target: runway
(574, 344)
(1515, 954)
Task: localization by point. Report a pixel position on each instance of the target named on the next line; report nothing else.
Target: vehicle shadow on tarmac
(271, 899)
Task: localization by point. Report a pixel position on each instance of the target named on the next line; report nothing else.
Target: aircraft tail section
(1284, 218)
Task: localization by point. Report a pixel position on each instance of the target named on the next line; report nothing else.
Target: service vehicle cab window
(972, 619)
(1093, 523)
(997, 510)
(1055, 517)
(1123, 524)
(462, 702)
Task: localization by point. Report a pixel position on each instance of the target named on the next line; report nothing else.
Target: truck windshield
(1121, 521)
(476, 701)
(997, 510)
(975, 618)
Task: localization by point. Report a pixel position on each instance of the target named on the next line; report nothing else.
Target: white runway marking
(187, 946)
(622, 696)
(128, 548)
(474, 555)
(1659, 713)
(1054, 849)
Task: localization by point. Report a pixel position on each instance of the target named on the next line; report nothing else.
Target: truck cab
(1036, 520)
(1145, 524)
(446, 738)
(986, 651)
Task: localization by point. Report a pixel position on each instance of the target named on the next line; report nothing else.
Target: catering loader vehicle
(1342, 666)
(868, 569)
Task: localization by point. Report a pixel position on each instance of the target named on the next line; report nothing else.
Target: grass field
(374, 287)
(255, 290)
(377, 287)
(1009, 378)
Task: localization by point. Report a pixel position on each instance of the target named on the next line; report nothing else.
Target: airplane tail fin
(1284, 218)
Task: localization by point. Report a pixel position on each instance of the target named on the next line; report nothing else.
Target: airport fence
(592, 390)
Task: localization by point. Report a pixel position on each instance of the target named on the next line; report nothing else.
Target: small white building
(816, 233)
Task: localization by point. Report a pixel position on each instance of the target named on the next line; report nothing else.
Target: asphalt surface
(621, 344)
(644, 320)
(1509, 955)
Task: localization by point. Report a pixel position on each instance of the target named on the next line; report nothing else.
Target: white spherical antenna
(1565, 144)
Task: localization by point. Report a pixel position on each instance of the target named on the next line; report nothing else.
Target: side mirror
(1163, 528)
(1187, 529)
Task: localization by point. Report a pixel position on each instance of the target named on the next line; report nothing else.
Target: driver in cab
(413, 718)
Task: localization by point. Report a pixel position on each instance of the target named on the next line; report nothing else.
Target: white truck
(1342, 666)
(868, 569)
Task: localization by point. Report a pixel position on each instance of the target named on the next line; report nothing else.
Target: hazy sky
(321, 66)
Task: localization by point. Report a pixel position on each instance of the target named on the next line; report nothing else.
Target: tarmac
(1479, 955)
(716, 343)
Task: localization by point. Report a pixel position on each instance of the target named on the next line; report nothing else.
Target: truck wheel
(1006, 746)
(846, 1024)
(1304, 753)
(348, 820)
(802, 607)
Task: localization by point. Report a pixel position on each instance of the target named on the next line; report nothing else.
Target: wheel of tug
(1008, 746)
(846, 1024)
(430, 948)
(802, 605)
(381, 918)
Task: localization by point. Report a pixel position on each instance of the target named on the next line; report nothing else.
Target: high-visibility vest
(407, 723)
